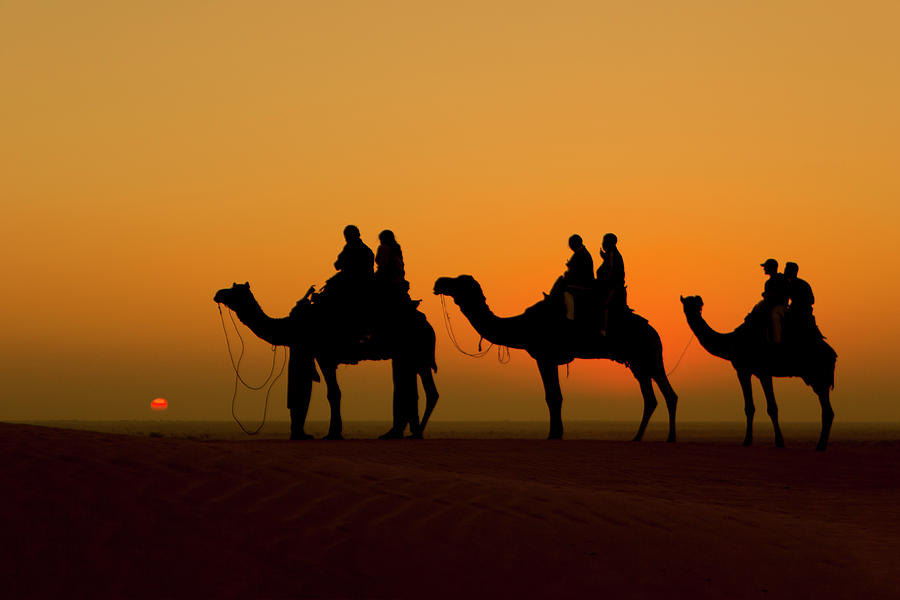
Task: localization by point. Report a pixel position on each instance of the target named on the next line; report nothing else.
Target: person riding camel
(356, 261)
(774, 302)
(610, 280)
(579, 275)
(347, 291)
(390, 275)
(798, 316)
(580, 266)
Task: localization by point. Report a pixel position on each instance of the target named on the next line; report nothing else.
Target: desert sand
(90, 514)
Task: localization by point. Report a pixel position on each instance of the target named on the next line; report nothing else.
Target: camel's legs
(299, 393)
(553, 394)
(824, 395)
(431, 394)
(772, 408)
(406, 400)
(333, 393)
(671, 401)
(410, 403)
(649, 404)
(749, 409)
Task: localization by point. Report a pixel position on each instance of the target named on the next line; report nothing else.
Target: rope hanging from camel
(503, 356)
(237, 374)
(678, 362)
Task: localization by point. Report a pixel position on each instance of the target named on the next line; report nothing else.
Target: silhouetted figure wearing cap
(774, 302)
(610, 280)
(798, 318)
(578, 278)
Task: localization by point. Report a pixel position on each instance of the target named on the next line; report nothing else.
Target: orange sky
(154, 152)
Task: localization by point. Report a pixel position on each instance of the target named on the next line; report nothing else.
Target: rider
(389, 259)
(390, 276)
(579, 275)
(580, 266)
(347, 291)
(775, 298)
(799, 313)
(356, 260)
(610, 279)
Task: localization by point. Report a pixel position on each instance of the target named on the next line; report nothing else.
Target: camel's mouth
(442, 286)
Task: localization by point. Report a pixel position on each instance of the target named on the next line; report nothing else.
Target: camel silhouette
(749, 353)
(551, 340)
(309, 332)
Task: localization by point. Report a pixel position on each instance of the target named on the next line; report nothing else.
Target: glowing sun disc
(159, 404)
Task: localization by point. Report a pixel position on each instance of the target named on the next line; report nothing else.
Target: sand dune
(106, 515)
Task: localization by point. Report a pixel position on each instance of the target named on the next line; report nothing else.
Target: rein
(503, 356)
(678, 362)
(236, 365)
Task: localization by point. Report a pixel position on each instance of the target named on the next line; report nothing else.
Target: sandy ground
(89, 514)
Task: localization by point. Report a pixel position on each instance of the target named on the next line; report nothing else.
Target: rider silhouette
(347, 292)
(389, 260)
(356, 260)
(579, 275)
(390, 277)
(580, 266)
(775, 298)
(798, 316)
(610, 279)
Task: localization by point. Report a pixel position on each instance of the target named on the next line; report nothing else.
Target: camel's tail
(828, 357)
(833, 365)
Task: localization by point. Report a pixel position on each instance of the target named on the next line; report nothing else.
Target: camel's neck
(275, 331)
(512, 332)
(250, 312)
(717, 344)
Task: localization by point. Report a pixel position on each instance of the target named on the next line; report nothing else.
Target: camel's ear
(682, 299)
(546, 295)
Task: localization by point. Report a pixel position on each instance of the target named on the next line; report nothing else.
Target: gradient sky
(153, 152)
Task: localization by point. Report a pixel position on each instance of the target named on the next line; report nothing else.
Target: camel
(312, 332)
(551, 340)
(750, 354)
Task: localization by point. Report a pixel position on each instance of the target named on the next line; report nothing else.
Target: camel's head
(462, 289)
(693, 305)
(234, 296)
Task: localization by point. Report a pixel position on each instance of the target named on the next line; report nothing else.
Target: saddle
(585, 306)
(798, 330)
(365, 314)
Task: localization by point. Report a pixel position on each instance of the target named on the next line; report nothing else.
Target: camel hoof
(821, 447)
(333, 436)
(391, 434)
(637, 438)
(301, 436)
(748, 443)
(670, 439)
(779, 443)
(554, 436)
